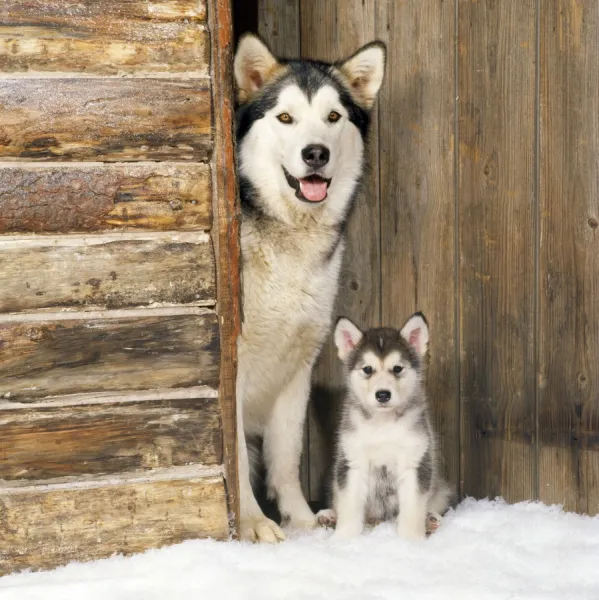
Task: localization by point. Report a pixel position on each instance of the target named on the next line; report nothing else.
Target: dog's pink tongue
(315, 191)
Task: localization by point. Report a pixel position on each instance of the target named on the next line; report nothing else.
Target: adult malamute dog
(301, 130)
(386, 460)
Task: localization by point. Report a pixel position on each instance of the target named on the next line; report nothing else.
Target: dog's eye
(367, 370)
(285, 118)
(334, 116)
(397, 369)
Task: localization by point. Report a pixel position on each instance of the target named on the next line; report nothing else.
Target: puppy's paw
(257, 528)
(433, 521)
(327, 518)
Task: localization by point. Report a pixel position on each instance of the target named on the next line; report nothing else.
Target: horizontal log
(199, 391)
(121, 48)
(50, 442)
(53, 198)
(104, 119)
(95, 14)
(44, 526)
(106, 271)
(76, 354)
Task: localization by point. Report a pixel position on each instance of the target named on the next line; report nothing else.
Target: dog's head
(384, 365)
(302, 125)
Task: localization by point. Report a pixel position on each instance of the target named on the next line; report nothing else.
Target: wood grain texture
(44, 443)
(78, 37)
(104, 119)
(40, 358)
(279, 27)
(44, 526)
(569, 256)
(418, 209)
(93, 14)
(226, 237)
(56, 198)
(323, 38)
(106, 272)
(496, 67)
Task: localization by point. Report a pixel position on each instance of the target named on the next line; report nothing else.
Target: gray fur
(425, 472)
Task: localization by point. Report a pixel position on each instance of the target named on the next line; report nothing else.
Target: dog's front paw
(326, 517)
(257, 528)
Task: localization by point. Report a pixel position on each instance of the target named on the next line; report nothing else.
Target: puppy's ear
(254, 65)
(347, 337)
(415, 332)
(364, 72)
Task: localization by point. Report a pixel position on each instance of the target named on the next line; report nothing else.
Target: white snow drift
(484, 551)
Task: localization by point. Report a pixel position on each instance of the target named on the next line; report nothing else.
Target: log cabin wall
(481, 208)
(119, 300)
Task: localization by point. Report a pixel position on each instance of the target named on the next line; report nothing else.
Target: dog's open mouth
(313, 188)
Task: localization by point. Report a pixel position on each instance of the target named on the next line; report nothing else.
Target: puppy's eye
(333, 117)
(367, 370)
(397, 369)
(285, 118)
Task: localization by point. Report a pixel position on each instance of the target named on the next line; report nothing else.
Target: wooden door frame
(226, 237)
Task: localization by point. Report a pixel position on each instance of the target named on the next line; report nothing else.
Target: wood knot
(34, 334)
(593, 223)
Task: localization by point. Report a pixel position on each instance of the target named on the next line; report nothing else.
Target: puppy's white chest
(391, 445)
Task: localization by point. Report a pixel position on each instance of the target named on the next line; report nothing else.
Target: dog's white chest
(394, 445)
(289, 288)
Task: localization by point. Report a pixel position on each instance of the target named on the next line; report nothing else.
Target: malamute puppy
(301, 131)
(385, 464)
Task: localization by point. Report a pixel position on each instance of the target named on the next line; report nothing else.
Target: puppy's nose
(383, 396)
(316, 155)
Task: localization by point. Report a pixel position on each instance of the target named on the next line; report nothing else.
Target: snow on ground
(483, 551)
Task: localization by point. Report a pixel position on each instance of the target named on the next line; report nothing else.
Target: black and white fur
(301, 131)
(386, 459)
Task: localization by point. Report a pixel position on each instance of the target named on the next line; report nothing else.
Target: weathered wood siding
(75, 197)
(104, 37)
(569, 255)
(115, 432)
(480, 208)
(104, 119)
(58, 439)
(119, 271)
(49, 525)
(72, 353)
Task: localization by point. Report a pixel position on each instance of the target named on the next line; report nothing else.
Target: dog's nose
(316, 155)
(383, 396)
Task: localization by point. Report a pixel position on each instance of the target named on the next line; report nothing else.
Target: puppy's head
(384, 365)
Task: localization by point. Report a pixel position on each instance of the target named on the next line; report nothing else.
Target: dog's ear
(254, 65)
(364, 71)
(347, 337)
(415, 332)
